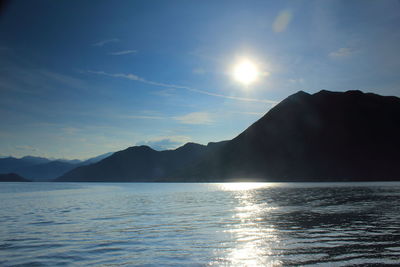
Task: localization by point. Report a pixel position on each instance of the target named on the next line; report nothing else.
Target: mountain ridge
(325, 136)
(42, 169)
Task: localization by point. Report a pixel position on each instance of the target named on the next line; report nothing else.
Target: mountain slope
(97, 158)
(43, 169)
(137, 164)
(45, 172)
(328, 136)
(12, 177)
(9, 164)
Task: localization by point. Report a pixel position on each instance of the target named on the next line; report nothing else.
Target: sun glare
(245, 72)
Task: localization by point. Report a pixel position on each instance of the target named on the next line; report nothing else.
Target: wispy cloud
(341, 53)
(144, 117)
(37, 81)
(104, 42)
(134, 77)
(70, 130)
(165, 142)
(189, 118)
(249, 113)
(195, 118)
(282, 21)
(124, 52)
(199, 71)
(26, 148)
(165, 92)
(296, 80)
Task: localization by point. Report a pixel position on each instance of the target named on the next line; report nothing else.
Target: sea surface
(231, 224)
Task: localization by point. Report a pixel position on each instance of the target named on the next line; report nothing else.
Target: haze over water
(233, 224)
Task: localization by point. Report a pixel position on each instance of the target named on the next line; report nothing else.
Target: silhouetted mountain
(12, 177)
(43, 169)
(47, 171)
(138, 164)
(97, 158)
(35, 160)
(327, 136)
(70, 161)
(9, 164)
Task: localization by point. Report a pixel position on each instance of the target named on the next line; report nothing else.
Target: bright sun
(245, 72)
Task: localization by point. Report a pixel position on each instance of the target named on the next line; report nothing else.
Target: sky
(82, 78)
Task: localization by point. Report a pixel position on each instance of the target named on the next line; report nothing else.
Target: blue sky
(81, 78)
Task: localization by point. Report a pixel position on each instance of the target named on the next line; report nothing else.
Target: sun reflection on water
(253, 237)
(244, 186)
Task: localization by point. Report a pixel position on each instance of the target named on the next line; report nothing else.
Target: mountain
(9, 164)
(71, 161)
(327, 136)
(43, 169)
(97, 158)
(12, 177)
(138, 164)
(35, 160)
(46, 171)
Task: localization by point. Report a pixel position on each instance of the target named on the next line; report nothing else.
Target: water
(236, 224)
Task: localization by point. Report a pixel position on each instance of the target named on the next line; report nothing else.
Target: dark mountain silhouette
(9, 164)
(47, 171)
(138, 164)
(12, 177)
(96, 159)
(43, 169)
(327, 136)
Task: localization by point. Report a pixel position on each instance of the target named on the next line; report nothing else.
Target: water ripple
(44, 224)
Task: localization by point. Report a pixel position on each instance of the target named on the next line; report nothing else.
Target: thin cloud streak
(134, 77)
(103, 42)
(165, 142)
(282, 21)
(124, 52)
(144, 117)
(195, 118)
(341, 53)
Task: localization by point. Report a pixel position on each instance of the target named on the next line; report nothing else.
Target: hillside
(327, 136)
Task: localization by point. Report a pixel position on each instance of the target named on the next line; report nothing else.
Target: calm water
(337, 224)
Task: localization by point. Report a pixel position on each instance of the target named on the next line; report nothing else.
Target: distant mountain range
(43, 169)
(12, 177)
(327, 136)
(140, 164)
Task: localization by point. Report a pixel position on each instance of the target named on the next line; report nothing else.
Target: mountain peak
(189, 145)
(301, 92)
(142, 147)
(326, 136)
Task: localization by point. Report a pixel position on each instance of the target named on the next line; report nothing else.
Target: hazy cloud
(70, 130)
(36, 81)
(340, 53)
(165, 92)
(26, 148)
(165, 142)
(144, 117)
(296, 81)
(199, 71)
(195, 118)
(103, 42)
(282, 21)
(124, 52)
(259, 114)
(134, 77)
